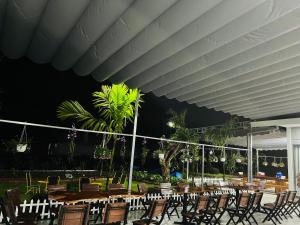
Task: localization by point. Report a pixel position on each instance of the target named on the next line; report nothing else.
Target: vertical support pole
(202, 172)
(257, 161)
(250, 158)
(133, 142)
(188, 165)
(290, 160)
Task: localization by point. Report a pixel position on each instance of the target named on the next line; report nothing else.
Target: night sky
(32, 92)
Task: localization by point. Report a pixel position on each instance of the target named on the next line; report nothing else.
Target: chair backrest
(90, 187)
(158, 208)
(123, 179)
(13, 196)
(83, 180)
(73, 215)
(116, 212)
(222, 201)
(244, 199)
(112, 187)
(116, 178)
(280, 199)
(291, 196)
(58, 187)
(257, 199)
(53, 180)
(202, 203)
(142, 188)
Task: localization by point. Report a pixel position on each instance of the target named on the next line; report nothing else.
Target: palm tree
(115, 106)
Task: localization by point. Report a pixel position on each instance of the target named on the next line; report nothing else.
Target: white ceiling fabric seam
(118, 34)
(129, 46)
(117, 62)
(226, 29)
(101, 14)
(196, 10)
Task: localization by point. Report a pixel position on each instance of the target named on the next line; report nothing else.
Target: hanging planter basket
(23, 145)
(238, 160)
(265, 163)
(102, 153)
(161, 156)
(222, 159)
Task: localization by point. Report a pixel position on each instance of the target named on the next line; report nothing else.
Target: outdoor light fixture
(171, 124)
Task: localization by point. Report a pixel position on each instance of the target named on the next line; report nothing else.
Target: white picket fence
(208, 180)
(42, 207)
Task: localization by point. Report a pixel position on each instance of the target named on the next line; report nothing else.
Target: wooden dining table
(74, 197)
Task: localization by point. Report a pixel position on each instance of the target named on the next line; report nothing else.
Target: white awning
(236, 56)
(275, 140)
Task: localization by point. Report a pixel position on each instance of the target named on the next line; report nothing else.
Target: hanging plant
(281, 164)
(238, 157)
(274, 163)
(265, 162)
(102, 152)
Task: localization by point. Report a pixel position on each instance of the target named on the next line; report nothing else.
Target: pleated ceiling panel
(237, 56)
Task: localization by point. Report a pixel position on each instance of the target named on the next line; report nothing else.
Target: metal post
(257, 161)
(187, 165)
(250, 160)
(133, 142)
(202, 172)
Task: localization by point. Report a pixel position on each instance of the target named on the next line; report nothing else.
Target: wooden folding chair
(254, 206)
(73, 215)
(157, 209)
(241, 209)
(115, 213)
(272, 209)
(215, 213)
(198, 213)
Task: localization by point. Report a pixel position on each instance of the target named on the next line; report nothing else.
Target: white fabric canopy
(275, 140)
(237, 56)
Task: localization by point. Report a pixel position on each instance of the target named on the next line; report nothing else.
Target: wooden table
(75, 197)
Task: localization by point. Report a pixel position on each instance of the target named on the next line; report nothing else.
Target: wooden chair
(30, 188)
(73, 215)
(83, 180)
(241, 209)
(9, 211)
(158, 209)
(217, 210)
(255, 206)
(90, 187)
(199, 211)
(57, 187)
(115, 213)
(13, 199)
(291, 195)
(273, 209)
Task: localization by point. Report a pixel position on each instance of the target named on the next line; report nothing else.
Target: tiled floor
(267, 198)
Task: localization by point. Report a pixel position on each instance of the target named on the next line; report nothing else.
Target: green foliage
(144, 155)
(115, 105)
(102, 152)
(219, 136)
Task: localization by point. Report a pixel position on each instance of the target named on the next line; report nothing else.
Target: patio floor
(134, 215)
